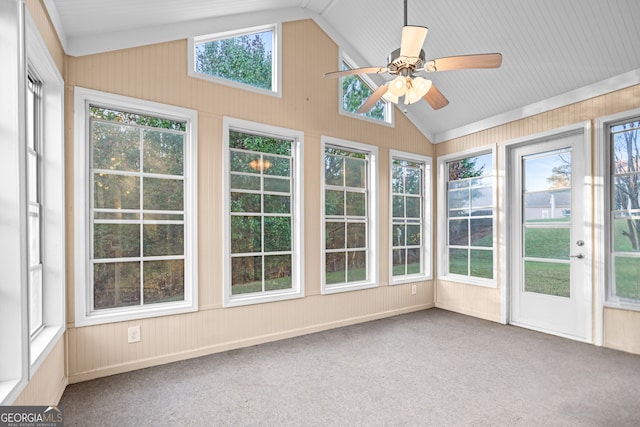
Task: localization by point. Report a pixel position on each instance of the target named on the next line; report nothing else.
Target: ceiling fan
(406, 62)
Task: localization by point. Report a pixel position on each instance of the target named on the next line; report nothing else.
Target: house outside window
(467, 212)
(410, 213)
(350, 216)
(247, 59)
(140, 210)
(263, 178)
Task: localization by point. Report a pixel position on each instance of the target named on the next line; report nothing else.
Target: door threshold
(550, 332)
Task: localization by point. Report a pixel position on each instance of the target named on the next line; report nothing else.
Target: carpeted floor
(430, 368)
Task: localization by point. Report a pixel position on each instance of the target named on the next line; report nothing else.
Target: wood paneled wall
(309, 103)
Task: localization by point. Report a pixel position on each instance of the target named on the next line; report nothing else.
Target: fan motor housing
(404, 65)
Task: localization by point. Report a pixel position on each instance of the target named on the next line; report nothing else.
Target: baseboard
(232, 345)
(468, 312)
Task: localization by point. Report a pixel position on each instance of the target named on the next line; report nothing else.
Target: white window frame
(372, 215)
(297, 215)
(443, 227)
(276, 66)
(82, 191)
(604, 270)
(389, 109)
(426, 220)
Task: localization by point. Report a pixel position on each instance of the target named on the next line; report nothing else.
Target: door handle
(579, 256)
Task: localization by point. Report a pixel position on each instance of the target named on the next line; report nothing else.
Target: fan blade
(435, 98)
(412, 40)
(371, 101)
(364, 70)
(485, 60)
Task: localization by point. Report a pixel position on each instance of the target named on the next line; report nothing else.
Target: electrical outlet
(133, 334)
(414, 289)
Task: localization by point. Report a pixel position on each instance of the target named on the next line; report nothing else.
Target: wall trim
(232, 345)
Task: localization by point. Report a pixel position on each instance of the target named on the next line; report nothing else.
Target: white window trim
(602, 253)
(427, 204)
(372, 211)
(443, 238)
(82, 203)
(276, 82)
(389, 110)
(297, 290)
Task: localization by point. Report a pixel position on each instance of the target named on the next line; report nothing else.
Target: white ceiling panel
(549, 47)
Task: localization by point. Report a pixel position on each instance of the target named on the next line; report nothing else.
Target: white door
(549, 255)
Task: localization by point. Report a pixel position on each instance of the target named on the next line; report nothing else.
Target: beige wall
(621, 326)
(309, 103)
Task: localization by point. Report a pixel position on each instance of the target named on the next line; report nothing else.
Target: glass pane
(398, 206)
(163, 281)
(246, 234)
(626, 234)
(245, 182)
(356, 235)
(115, 147)
(163, 194)
(116, 191)
(413, 207)
(626, 192)
(481, 197)
(626, 156)
(481, 232)
(355, 92)
(547, 242)
(357, 270)
(35, 300)
(163, 239)
(399, 233)
(163, 153)
(263, 144)
(334, 202)
(481, 263)
(163, 217)
(277, 185)
(241, 161)
(277, 204)
(279, 166)
(399, 262)
(335, 267)
(245, 202)
(397, 179)
(356, 204)
(413, 180)
(547, 278)
(116, 241)
(277, 233)
(413, 235)
(458, 199)
(34, 236)
(32, 177)
(627, 271)
(116, 215)
(413, 260)
(335, 235)
(459, 232)
(277, 272)
(116, 284)
(355, 173)
(246, 275)
(333, 170)
(470, 167)
(547, 205)
(458, 261)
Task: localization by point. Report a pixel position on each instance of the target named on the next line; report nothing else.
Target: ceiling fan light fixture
(398, 86)
(389, 97)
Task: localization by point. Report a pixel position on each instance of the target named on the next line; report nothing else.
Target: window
(624, 220)
(349, 200)
(140, 208)
(263, 178)
(355, 90)
(467, 235)
(410, 212)
(248, 58)
(34, 198)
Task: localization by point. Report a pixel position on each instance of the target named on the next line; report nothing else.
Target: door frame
(505, 172)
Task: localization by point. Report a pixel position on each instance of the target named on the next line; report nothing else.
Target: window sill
(42, 344)
(334, 289)
(248, 299)
(342, 112)
(122, 315)
(487, 283)
(410, 279)
(623, 305)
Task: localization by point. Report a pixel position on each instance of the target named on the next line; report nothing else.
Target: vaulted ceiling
(554, 51)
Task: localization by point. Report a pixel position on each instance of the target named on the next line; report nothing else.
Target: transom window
(247, 58)
(469, 204)
(625, 210)
(263, 213)
(349, 217)
(355, 90)
(410, 211)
